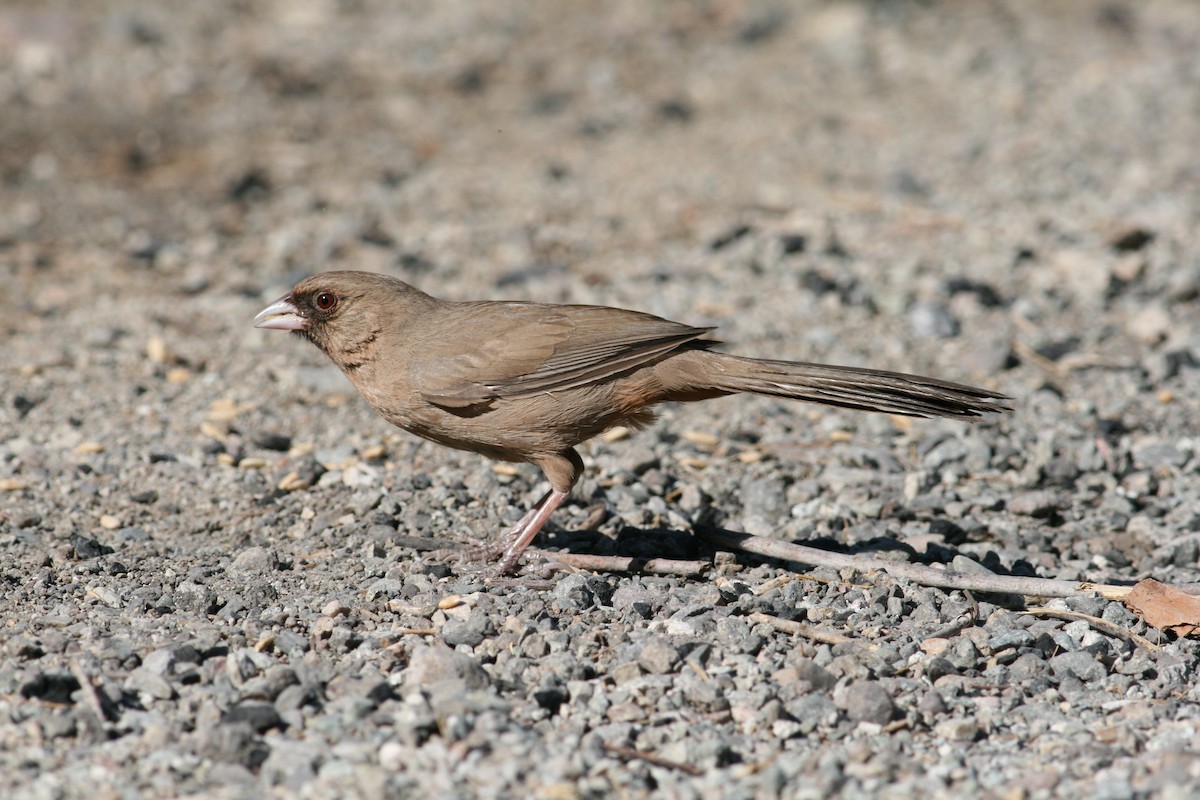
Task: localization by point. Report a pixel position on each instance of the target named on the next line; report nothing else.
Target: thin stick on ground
(917, 573)
(650, 758)
(98, 718)
(799, 629)
(1102, 625)
(965, 620)
(659, 566)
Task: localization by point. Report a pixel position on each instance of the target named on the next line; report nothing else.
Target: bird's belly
(524, 428)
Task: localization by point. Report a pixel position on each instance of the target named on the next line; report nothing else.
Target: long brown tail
(853, 387)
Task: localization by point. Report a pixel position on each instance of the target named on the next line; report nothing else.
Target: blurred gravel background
(212, 581)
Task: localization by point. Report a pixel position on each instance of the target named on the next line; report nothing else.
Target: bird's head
(340, 312)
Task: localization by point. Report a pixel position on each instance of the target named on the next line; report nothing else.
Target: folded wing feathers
(579, 366)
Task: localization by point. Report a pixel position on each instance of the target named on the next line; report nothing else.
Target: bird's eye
(325, 301)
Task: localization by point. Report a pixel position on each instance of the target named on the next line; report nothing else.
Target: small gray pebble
(1080, 663)
(658, 656)
(957, 729)
(1027, 667)
(385, 587)
(233, 743)
(868, 701)
(255, 560)
(270, 684)
(932, 704)
(1011, 639)
(578, 592)
(937, 667)
(814, 675)
(1037, 503)
(259, 716)
(26, 519)
(292, 765)
(636, 598)
(813, 710)
(143, 681)
(764, 496)
(1150, 453)
(963, 654)
(933, 321)
(691, 499)
(131, 534)
(638, 458)
(470, 631)
(948, 451)
(161, 661)
(192, 596)
(429, 665)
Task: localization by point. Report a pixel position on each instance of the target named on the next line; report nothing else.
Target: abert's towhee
(529, 381)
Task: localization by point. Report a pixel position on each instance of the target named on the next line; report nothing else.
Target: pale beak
(282, 315)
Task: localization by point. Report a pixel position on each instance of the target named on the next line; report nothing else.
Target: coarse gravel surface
(215, 577)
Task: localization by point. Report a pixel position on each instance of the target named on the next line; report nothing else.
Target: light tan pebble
(393, 756)
(374, 453)
(702, 439)
(615, 434)
(105, 595)
(156, 350)
(213, 430)
(109, 522)
(291, 483)
(359, 474)
(89, 448)
(750, 456)
(935, 645)
(223, 410)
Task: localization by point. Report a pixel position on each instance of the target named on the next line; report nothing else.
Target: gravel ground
(214, 557)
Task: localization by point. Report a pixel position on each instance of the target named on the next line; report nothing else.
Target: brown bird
(527, 382)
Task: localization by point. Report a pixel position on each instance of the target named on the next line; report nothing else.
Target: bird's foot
(507, 550)
(489, 563)
(484, 554)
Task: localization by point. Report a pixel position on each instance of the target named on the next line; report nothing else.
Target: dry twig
(918, 573)
(650, 758)
(799, 629)
(660, 566)
(965, 620)
(1102, 625)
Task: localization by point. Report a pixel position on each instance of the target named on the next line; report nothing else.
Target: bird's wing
(532, 349)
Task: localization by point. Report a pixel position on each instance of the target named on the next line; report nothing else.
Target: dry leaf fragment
(1165, 607)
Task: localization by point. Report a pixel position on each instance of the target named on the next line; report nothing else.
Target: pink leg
(493, 550)
(562, 470)
(519, 537)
